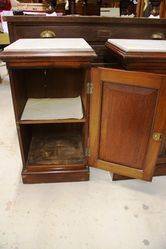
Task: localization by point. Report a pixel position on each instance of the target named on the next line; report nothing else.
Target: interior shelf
(52, 121)
(56, 149)
(52, 110)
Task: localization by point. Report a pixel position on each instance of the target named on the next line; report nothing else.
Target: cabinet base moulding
(29, 177)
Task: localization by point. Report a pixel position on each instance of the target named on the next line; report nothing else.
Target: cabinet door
(127, 118)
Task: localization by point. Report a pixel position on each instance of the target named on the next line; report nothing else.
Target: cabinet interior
(53, 143)
(48, 83)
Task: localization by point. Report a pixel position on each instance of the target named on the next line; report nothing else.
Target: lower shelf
(55, 155)
(61, 150)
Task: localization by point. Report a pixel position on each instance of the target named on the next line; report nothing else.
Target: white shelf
(52, 109)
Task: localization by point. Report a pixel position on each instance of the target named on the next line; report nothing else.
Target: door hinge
(87, 152)
(89, 88)
(17, 126)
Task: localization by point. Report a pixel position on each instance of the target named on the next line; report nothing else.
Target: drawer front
(85, 32)
(91, 33)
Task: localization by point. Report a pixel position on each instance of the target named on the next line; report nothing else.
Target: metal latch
(89, 88)
(157, 136)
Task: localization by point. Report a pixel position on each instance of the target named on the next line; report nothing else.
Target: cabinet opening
(53, 109)
(59, 146)
(53, 95)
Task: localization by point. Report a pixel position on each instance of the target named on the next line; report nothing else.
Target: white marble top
(49, 44)
(132, 45)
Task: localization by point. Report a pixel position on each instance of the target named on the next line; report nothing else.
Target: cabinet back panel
(126, 122)
(35, 82)
(64, 82)
(53, 83)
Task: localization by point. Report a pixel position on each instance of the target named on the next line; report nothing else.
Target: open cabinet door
(127, 119)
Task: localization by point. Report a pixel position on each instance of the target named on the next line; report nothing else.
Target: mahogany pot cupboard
(126, 145)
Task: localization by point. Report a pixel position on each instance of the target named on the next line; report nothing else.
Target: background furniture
(95, 30)
(152, 7)
(143, 8)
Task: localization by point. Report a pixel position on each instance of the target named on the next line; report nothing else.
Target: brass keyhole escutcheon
(47, 34)
(157, 136)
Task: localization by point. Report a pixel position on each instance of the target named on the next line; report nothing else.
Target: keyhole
(45, 83)
(45, 78)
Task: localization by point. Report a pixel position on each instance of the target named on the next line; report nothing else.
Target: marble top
(135, 45)
(50, 44)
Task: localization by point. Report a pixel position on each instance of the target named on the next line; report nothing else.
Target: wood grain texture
(132, 78)
(150, 62)
(159, 171)
(52, 151)
(56, 149)
(68, 84)
(125, 121)
(139, 61)
(18, 92)
(81, 19)
(30, 177)
(95, 30)
(47, 59)
(159, 125)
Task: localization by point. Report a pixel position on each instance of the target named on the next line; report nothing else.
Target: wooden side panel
(126, 122)
(18, 89)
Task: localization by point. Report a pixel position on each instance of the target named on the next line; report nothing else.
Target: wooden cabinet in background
(95, 30)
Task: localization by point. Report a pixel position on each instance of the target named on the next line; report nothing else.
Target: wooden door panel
(126, 122)
(126, 109)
